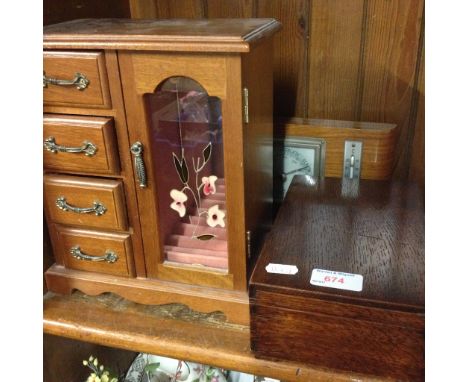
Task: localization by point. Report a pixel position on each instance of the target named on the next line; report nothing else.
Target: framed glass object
(297, 156)
(186, 134)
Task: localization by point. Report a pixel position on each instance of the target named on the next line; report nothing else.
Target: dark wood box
(375, 230)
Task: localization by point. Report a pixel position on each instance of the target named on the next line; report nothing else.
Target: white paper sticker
(338, 280)
(282, 269)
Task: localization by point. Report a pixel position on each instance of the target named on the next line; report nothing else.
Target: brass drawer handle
(80, 81)
(98, 208)
(88, 148)
(109, 256)
(137, 150)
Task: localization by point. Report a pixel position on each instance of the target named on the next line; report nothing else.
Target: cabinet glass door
(187, 152)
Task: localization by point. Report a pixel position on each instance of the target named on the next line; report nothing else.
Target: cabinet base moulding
(233, 304)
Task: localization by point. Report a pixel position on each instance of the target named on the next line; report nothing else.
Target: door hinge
(248, 237)
(245, 93)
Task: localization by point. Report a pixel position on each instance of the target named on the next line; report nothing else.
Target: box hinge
(245, 93)
(248, 239)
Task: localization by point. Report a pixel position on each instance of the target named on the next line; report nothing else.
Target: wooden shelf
(172, 331)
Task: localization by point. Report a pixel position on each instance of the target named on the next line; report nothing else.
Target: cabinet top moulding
(213, 35)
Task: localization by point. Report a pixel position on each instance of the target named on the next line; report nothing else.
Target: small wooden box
(376, 230)
(172, 122)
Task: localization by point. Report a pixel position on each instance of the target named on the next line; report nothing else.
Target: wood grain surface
(417, 146)
(56, 11)
(334, 58)
(120, 124)
(390, 63)
(220, 75)
(173, 331)
(378, 233)
(212, 35)
(331, 341)
(73, 131)
(229, 8)
(290, 60)
(352, 59)
(257, 77)
(64, 65)
(95, 244)
(378, 143)
(387, 47)
(47, 252)
(233, 304)
(82, 192)
(374, 229)
(167, 9)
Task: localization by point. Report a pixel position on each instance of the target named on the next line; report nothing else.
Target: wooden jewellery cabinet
(158, 158)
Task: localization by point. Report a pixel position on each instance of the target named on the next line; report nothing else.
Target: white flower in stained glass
(209, 186)
(178, 204)
(215, 216)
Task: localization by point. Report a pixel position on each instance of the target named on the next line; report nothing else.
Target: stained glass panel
(186, 135)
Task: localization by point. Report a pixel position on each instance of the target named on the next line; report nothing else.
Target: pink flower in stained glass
(209, 186)
(215, 216)
(178, 204)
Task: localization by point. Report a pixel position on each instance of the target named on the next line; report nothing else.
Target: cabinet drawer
(95, 251)
(85, 201)
(64, 67)
(81, 144)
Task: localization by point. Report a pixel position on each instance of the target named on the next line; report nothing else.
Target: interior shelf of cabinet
(173, 331)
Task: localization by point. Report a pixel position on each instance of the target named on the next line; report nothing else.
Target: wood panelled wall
(57, 11)
(335, 59)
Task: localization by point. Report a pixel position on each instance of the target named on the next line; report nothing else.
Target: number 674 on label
(338, 280)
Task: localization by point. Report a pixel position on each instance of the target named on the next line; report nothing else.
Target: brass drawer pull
(137, 150)
(109, 256)
(88, 148)
(80, 81)
(98, 208)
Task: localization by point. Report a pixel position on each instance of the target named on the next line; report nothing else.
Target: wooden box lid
(375, 230)
(203, 35)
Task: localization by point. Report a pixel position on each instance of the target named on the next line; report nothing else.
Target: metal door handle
(137, 150)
